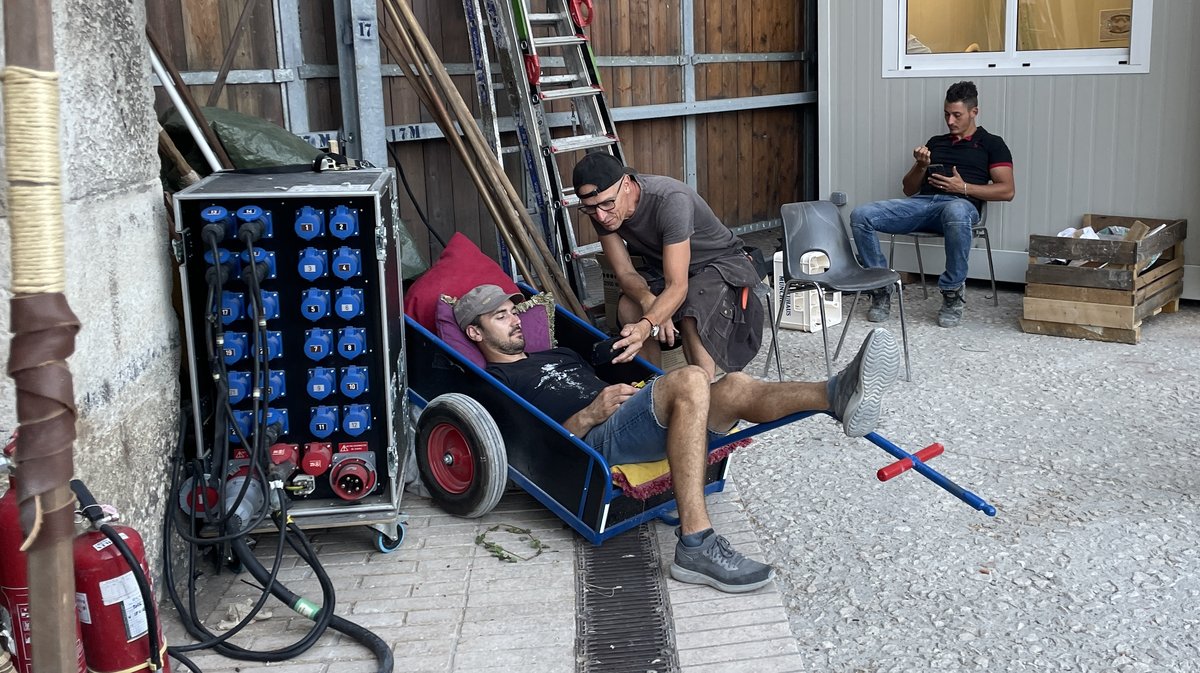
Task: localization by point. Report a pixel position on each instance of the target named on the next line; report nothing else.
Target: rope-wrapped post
(43, 333)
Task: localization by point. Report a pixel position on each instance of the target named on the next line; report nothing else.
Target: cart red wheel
(461, 456)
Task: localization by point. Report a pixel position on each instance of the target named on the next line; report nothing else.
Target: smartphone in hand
(939, 169)
(603, 351)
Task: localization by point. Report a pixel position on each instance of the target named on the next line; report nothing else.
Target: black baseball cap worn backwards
(600, 169)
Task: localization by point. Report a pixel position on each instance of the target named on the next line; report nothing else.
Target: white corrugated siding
(1112, 144)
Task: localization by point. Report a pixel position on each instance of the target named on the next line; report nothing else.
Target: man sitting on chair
(673, 416)
(951, 176)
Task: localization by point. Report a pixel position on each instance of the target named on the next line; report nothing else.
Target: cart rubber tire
(461, 455)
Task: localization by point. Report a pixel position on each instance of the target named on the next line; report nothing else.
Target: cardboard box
(800, 309)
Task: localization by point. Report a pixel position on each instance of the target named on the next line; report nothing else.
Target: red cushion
(460, 267)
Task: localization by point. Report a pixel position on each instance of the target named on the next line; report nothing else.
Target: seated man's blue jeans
(949, 216)
(633, 434)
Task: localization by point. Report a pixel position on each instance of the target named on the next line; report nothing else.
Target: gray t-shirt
(670, 211)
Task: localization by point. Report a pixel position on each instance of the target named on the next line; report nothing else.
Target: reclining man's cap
(600, 169)
(481, 299)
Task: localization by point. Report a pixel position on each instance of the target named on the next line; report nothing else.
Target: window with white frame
(948, 38)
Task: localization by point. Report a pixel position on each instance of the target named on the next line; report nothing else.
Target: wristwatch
(653, 328)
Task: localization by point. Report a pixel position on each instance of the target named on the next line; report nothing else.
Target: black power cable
(412, 197)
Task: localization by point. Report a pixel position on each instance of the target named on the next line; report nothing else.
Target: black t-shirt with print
(556, 381)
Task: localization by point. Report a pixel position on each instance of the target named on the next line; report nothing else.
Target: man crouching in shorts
(674, 416)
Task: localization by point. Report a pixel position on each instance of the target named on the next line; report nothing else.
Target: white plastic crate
(800, 309)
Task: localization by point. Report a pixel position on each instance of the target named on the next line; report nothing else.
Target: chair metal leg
(987, 241)
(892, 253)
(787, 287)
(774, 336)
(824, 330)
(903, 331)
(920, 266)
(846, 325)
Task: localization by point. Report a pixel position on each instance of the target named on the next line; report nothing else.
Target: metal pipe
(197, 135)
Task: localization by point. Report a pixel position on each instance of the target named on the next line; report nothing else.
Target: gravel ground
(1084, 448)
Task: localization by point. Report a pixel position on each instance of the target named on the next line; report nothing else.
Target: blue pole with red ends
(932, 474)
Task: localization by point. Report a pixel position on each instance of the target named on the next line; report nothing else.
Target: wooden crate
(1107, 298)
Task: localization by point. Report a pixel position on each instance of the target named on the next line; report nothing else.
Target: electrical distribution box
(800, 309)
(293, 313)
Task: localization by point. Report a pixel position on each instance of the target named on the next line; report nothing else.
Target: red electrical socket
(317, 456)
(353, 474)
(284, 453)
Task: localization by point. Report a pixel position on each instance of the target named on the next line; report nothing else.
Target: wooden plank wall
(749, 162)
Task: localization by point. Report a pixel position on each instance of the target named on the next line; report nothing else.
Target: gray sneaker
(716, 563)
(952, 308)
(858, 389)
(881, 305)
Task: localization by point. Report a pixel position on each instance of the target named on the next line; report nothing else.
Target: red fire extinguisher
(121, 630)
(14, 577)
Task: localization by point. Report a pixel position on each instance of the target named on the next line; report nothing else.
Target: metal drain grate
(623, 619)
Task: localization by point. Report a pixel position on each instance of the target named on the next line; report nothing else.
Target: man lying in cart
(674, 416)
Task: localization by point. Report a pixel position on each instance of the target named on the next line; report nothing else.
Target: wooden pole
(43, 332)
(197, 114)
(230, 51)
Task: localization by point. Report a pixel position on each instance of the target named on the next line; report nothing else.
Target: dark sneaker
(952, 308)
(881, 305)
(715, 563)
(857, 391)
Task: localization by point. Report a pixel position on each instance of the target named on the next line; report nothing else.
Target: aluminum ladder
(544, 57)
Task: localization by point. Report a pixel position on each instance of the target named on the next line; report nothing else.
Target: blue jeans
(633, 433)
(949, 216)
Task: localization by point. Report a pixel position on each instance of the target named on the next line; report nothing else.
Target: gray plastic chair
(979, 230)
(816, 226)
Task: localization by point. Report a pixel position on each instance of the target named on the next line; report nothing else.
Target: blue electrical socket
(321, 382)
(220, 216)
(353, 381)
(317, 343)
(352, 341)
(356, 419)
(324, 421)
(260, 256)
(233, 306)
(343, 223)
(314, 305)
(276, 384)
(235, 348)
(270, 305)
(347, 263)
(252, 213)
(239, 386)
(349, 303)
(279, 416)
(310, 223)
(274, 345)
(243, 420)
(314, 264)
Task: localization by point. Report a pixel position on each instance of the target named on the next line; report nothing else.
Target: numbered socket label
(236, 345)
(310, 223)
(352, 341)
(321, 382)
(239, 386)
(233, 306)
(353, 381)
(356, 419)
(324, 421)
(349, 303)
(314, 264)
(247, 214)
(343, 223)
(314, 305)
(347, 263)
(317, 343)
